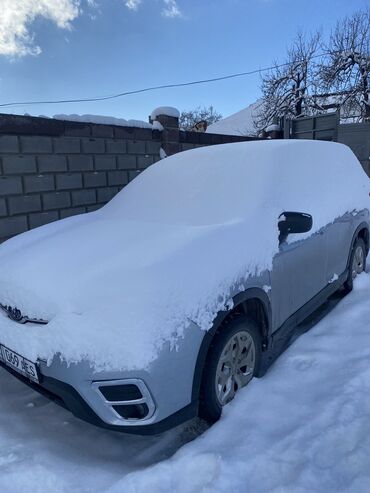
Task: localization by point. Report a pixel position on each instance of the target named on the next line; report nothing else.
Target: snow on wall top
(240, 123)
(180, 240)
(105, 120)
(165, 110)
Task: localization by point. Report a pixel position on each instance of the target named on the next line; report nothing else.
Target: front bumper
(166, 397)
(67, 396)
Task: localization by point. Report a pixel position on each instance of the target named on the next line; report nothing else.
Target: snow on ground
(240, 123)
(304, 427)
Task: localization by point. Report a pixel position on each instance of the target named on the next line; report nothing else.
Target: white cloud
(132, 4)
(171, 9)
(16, 16)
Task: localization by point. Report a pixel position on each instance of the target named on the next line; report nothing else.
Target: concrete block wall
(76, 168)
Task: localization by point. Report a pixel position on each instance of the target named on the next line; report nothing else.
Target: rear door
(338, 237)
(299, 273)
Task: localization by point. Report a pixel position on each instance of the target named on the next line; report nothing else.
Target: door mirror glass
(293, 222)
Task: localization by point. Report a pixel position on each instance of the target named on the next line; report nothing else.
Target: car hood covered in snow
(117, 284)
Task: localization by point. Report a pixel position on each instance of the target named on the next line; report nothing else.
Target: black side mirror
(293, 222)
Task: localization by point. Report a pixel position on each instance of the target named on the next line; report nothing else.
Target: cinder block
(68, 181)
(102, 131)
(117, 178)
(10, 226)
(152, 147)
(24, 203)
(80, 163)
(105, 194)
(187, 147)
(93, 146)
(105, 162)
(144, 161)
(133, 174)
(3, 210)
(9, 143)
(19, 165)
(42, 218)
(143, 133)
(93, 208)
(84, 197)
(56, 200)
(67, 145)
(127, 161)
(77, 129)
(116, 146)
(74, 211)
(96, 179)
(10, 185)
(36, 145)
(52, 163)
(124, 132)
(38, 183)
(136, 147)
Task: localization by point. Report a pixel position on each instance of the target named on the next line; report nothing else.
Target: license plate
(19, 363)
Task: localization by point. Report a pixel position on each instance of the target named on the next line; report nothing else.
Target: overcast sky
(62, 49)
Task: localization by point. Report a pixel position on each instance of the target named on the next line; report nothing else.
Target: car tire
(229, 365)
(357, 263)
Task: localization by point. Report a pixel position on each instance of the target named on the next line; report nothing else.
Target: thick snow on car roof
(211, 185)
(172, 247)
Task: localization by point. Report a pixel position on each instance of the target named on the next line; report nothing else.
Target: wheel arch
(253, 302)
(364, 234)
(362, 231)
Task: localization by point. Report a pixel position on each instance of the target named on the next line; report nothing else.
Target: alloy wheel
(358, 261)
(235, 367)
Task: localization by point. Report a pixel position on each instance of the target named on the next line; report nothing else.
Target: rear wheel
(357, 263)
(233, 360)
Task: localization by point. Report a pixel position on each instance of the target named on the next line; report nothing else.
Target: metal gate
(327, 127)
(357, 137)
(320, 127)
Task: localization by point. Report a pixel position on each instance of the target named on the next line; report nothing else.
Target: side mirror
(293, 222)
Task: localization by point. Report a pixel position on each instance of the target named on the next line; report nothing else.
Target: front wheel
(233, 360)
(357, 263)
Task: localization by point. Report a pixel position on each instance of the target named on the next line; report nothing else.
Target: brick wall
(52, 169)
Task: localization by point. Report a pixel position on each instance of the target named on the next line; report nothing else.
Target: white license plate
(19, 363)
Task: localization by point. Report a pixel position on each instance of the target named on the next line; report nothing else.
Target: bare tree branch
(189, 119)
(346, 69)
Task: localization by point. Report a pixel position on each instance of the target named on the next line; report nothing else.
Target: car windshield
(206, 186)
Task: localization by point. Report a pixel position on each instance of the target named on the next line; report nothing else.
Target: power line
(156, 88)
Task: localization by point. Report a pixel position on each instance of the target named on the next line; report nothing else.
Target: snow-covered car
(168, 300)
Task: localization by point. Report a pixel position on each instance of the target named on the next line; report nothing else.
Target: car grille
(17, 316)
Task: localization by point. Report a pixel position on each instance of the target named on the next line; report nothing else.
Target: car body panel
(289, 292)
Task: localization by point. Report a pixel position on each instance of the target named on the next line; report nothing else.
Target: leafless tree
(345, 71)
(189, 119)
(287, 89)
